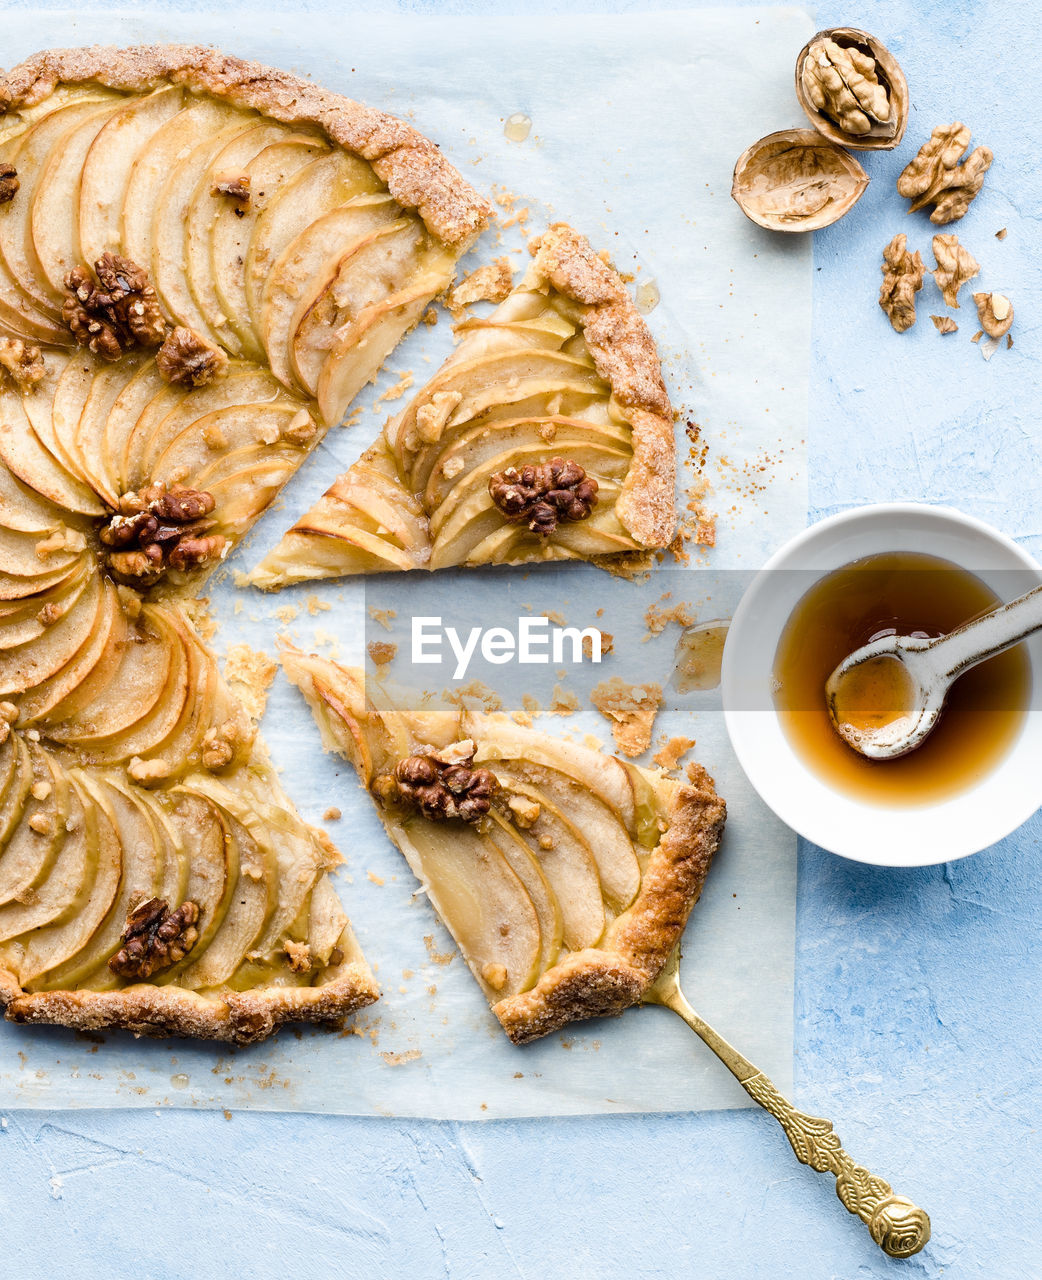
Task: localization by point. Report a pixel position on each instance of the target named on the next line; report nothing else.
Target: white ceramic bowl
(868, 832)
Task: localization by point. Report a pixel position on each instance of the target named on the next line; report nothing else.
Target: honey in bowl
(896, 593)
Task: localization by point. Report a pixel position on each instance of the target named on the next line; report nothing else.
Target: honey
(897, 593)
(700, 652)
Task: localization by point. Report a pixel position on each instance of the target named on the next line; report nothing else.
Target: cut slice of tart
(565, 875)
(202, 260)
(546, 435)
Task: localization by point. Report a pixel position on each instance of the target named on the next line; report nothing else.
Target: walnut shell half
(835, 92)
(795, 180)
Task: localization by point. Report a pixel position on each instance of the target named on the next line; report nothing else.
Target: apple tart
(565, 875)
(546, 435)
(201, 262)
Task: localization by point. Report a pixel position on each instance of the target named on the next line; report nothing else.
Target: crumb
(198, 611)
(563, 702)
(656, 618)
(399, 389)
(522, 718)
(476, 691)
(607, 645)
(491, 283)
(249, 673)
(371, 875)
(399, 1059)
(227, 1114)
(1000, 235)
(669, 754)
(429, 317)
(552, 615)
(286, 613)
(631, 708)
(531, 705)
(332, 814)
(315, 605)
(382, 652)
(352, 417)
(383, 616)
(438, 957)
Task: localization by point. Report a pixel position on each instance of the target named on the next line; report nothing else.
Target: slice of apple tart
(201, 262)
(546, 435)
(565, 875)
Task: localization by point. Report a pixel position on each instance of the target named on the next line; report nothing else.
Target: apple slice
(144, 388)
(205, 206)
(142, 856)
(171, 212)
(26, 457)
(230, 235)
(108, 165)
(46, 137)
(53, 946)
(482, 902)
(503, 836)
(222, 430)
(326, 182)
(57, 429)
(22, 509)
(244, 484)
(319, 310)
(28, 853)
(27, 666)
(198, 119)
(318, 250)
(88, 444)
(26, 624)
(47, 869)
(54, 223)
(19, 778)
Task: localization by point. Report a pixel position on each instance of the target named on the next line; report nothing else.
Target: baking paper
(636, 122)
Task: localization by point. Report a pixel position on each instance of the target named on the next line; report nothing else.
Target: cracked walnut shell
(902, 280)
(936, 177)
(795, 180)
(852, 89)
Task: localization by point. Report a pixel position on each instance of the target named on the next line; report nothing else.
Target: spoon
(898, 1226)
(908, 678)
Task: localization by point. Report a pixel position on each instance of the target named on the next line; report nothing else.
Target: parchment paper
(637, 121)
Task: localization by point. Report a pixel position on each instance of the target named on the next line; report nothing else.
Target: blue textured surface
(916, 1005)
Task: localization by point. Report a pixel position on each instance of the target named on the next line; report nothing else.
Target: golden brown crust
(417, 174)
(606, 980)
(241, 1017)
(625, 355)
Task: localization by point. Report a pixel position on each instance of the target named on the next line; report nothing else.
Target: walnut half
(443, 784)
(995, 313)
(155, 938)
(159, 528)
(955, 265)
(114, 312)
(186, 359)
(544, 495)
(935, 176)
(902, 280)
(21, 363)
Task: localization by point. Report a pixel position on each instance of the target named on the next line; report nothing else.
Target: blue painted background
(917, 1004)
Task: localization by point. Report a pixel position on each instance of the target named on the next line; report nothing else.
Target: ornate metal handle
(898, 1226)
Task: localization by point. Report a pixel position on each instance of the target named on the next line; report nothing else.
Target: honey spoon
(908, 678)
(898, 1226)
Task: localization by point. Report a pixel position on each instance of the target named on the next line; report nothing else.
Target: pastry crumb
(607, 645)
(382, 652)
(399, 1059)
(315, 605)
(657, 618)
(631, 709)
(669, 754)
(371, 875)
(490, 283)
(332, 814)
(563, 702)
(249, 673)
(396, 392)
(286, 613)
(383, 616)
(437, 957)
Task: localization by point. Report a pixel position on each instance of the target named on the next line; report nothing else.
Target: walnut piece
(935, 176)
(995, 313)
(544, 495)
(444, 784)
(902, 280)
(9, 183)
(955, 265)
(944, 324)
(115, 312)
(155, 938)
(160, 528)
(298, 955)
(843, 84)
(186, 359)
(236, 186)
(20, 364)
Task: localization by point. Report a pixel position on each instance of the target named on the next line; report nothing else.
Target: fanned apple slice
(30, 156)
(87, 446)
(108, 164)
(26, 457)
(200, 444)
(38, 829)
(552, 930)
(19, 777)
(172, 210)
(22, 509)
(563, 368)
(54, 221)
(26, 622)
(143, 389)
(208, 204)
(55, 945)
(197, 120)
(27, 666)
(232, 229)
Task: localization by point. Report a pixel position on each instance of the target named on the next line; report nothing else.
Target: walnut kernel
(443, 784)
(935, 176)
(9, 183)
(186, 359)
(544, 495)
(842, 82)
(20, 364)
(155, 938)
(902, 280)
(995, 313)
(955, 265)
(115, 312)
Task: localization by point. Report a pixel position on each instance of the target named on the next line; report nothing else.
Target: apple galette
(565, 875)
(201, 262)
(546, 435)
